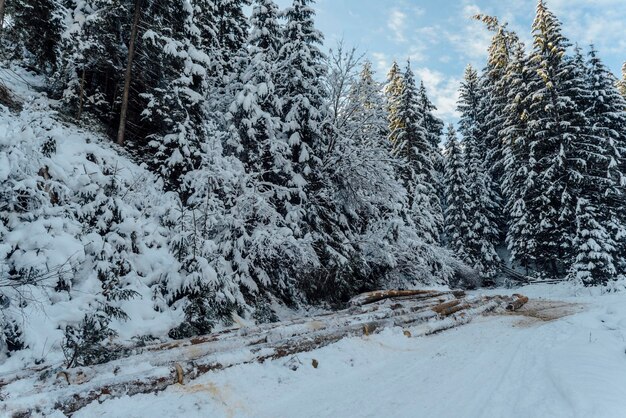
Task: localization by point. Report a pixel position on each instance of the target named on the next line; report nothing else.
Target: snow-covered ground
(497, 366)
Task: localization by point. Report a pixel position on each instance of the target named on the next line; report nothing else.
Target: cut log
(371, 297)
(443, 306)
(517, 303)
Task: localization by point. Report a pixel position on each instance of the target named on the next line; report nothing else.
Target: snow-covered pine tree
(301, 68)
(231, 35)
(519, 168)
(393, 91)
(457, 228)
(494, 86)
(113, 243)
(483, 231)
(434, 127)
(191, 160)
(593, 247)
(558, 123)
(38, 28)
(261, 253)
(413, 146)
(232, 32)
(255, 114)
(606, 166)
(91, 60)
(179, 81)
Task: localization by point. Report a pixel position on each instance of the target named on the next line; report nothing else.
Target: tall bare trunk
(81, 99)
(1, 15)
(129, 66)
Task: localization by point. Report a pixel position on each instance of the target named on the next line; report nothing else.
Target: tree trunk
(129, 66)
(1, 15)
(81, 98)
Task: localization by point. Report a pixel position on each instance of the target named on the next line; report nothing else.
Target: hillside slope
(77, 215)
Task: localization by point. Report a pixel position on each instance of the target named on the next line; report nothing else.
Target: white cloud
(397, 24)
(398, 19)
(602, 25)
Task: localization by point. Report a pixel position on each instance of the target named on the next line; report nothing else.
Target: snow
(513, 366)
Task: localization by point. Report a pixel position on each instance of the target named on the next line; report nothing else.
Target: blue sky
(440, 38)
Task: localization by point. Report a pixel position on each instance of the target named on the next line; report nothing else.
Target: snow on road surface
(563, 357)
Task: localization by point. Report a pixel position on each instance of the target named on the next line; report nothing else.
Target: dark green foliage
(202, 312)
(88, 343)
(263, 312)
(11, 336)
(33, 17)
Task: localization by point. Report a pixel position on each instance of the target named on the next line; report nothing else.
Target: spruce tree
(38, 27)
(255, 112)
(434, 129)
(259, 249)
(393, 91)
(412, 144)
(457, 197)
(93, 59)
(492, 114)
(232, 30)
(175, 105)
(484, 232)
(606, 164)
(594, 249)
(558, 123)
(519, 165)
(433, 125)
(495, 88)
(301, 68)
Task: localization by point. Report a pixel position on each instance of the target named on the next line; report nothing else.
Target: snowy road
(497, 366)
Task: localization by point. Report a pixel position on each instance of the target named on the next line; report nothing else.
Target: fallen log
(517, 303)
(371, 297)
(376, 296)
(444, 306)
(163, 365)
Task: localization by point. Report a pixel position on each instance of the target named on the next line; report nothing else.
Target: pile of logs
(154, 368)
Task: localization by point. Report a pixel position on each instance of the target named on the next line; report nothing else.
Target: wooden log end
(444, 306)
(368, 329)
(517, 303)
(179, 374)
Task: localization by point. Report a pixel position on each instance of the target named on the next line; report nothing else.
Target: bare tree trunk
(82, 95)
(1, 15)
(129, 67)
